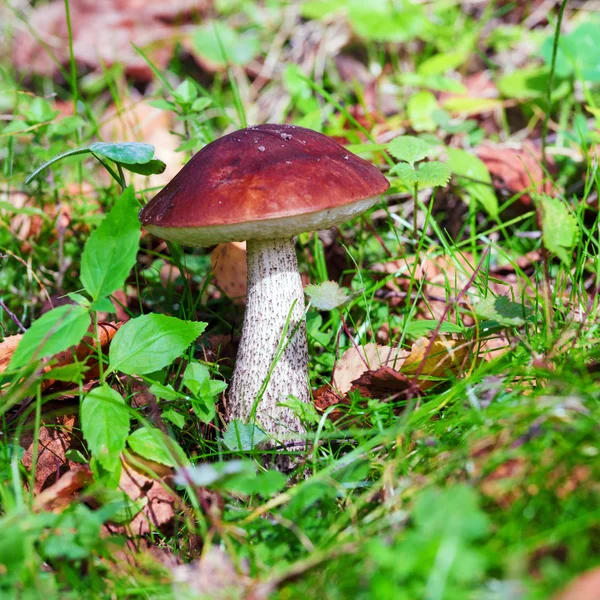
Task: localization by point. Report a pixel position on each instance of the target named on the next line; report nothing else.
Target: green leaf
(200, 104)
(240, 49)
(328, 295)
(197, 379)
(421, 327)
(111, 250)
(560, 230)
(441, 63)
(409, 148)
(243, 436)
(57, 330)
(105, 425)
(176, 418)
(502, 310)
(118, 506)
(154, 167)
(125, 153)
(433, 174)
(420, 108)
(186, 92)
(466, 165)
(154, 445)
(384, 21)
(151, 342)
(217, 475)
(406, 173)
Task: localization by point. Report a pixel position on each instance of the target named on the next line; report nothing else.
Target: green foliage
(243, 436)
(214, 38)
(196, 379)
(154, 445)
(54, 332)
(105, 425)
(409, 149)
(560, 230)
(474, 177)
(502, 311)
(111, 250)
(150, 343)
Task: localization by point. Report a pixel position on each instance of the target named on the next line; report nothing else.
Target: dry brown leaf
(60, 494)
(212, 576)
(516, 169)
(55, 437)
(103, 32)
(445, 356)
(381, 383)
(326, 396)
(352, 364)
(584, 587)
(159, 510)
(230, 270)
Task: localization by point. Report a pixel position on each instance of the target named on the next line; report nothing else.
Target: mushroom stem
(274, 285)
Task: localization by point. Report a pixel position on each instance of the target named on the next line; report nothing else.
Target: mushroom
(266, 184)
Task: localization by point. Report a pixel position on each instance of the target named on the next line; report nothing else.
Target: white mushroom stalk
(272, 358)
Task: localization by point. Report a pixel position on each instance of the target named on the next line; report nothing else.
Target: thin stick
(12, 316)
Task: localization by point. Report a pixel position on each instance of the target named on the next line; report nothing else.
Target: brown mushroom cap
(262, 182)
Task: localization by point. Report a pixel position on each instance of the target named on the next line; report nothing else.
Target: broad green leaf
(441, 63)
(243, 436)
(421, 327)
(200, 104)
(531, 84)
(174, 417)
(502, 310)
(474, 177)
(420, 109)
(151, 342)
(57, 330)
(154, 445)
(264, 484)
(384, 21)
(406, 173)
(111, 250)
(153, 167)
(328, 295)
(317, 9)
(105, 425)
(126, 153)
(433, 174)
(240, 49)
(560, 230)
(409, 148)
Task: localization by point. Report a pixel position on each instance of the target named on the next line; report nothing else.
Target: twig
(12, 316)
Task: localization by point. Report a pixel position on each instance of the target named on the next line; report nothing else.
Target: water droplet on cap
(261, 148)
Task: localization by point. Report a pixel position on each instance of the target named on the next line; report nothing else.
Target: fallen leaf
(584, 587)
(159, 501)
(516, 169)
(60, 494)
(212, 576)
(445, 357)
(56, 436)
(381, 383)
(372, 356)
(326, 396)
(230, 270)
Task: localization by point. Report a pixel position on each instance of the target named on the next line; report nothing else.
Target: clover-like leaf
(409, 148)
(406, 173)
(126, 153)
(433, 174)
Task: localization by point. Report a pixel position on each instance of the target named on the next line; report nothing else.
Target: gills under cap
(266, 181)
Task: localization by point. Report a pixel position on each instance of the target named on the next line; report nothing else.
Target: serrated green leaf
(57, 330)
(502, 310)
(409, 148)
(150, 343)
(105, 425)
(111, 250)
(125, 153)
(560, 230)
(406, 173)
(433, 174)
(474, 177)
(327, 295)
(154, 445)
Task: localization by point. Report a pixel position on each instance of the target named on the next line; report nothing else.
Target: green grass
(483, 487)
